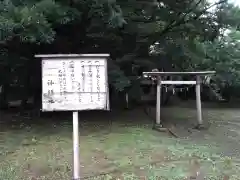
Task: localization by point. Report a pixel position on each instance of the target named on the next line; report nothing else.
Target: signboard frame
(75, 57)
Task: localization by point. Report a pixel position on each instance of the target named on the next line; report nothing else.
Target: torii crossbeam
(160, 82)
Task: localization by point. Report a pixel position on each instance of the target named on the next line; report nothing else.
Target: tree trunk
(3, 96)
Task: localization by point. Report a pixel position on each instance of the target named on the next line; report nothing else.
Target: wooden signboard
(74, 82)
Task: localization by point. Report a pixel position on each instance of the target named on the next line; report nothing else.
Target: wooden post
(198, 101)
(127, 101)
(158, 103)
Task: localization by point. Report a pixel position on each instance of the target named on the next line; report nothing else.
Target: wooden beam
(177, 73)
(70, 55)
(178, 82)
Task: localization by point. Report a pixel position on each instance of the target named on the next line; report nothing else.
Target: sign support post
(76, 160)
(74, 82)
(158, 103)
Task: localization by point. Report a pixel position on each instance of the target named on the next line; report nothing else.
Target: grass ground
(121, 145)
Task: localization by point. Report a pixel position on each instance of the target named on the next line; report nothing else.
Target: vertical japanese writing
(50, 93)
(64, 80)
(90, 80)
(98, 80)
(50, 90)
(50, 82)
(71, 69)
(83, 76)
(60, 79)
(81, 87)
(79, 92)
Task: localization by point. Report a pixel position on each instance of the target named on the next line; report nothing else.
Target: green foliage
(34, 21)
(29, 22)
(33, 24)
(189, 33)
(117, 78)
(222, 55)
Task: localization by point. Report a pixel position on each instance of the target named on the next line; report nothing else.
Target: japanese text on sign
(74, 84)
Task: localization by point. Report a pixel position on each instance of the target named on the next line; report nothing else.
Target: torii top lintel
(199, 73)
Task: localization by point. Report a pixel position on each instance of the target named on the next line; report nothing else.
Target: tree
(177, 32)
(46, 26)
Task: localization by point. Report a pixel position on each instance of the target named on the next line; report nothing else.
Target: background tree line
(186, 35)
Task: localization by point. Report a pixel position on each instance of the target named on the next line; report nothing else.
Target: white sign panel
(74, 83)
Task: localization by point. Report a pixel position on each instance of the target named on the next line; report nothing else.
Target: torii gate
(160, 82)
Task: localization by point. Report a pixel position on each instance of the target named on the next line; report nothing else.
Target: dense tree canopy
(139, 35)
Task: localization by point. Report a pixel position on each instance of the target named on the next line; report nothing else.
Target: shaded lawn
(125, 149)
